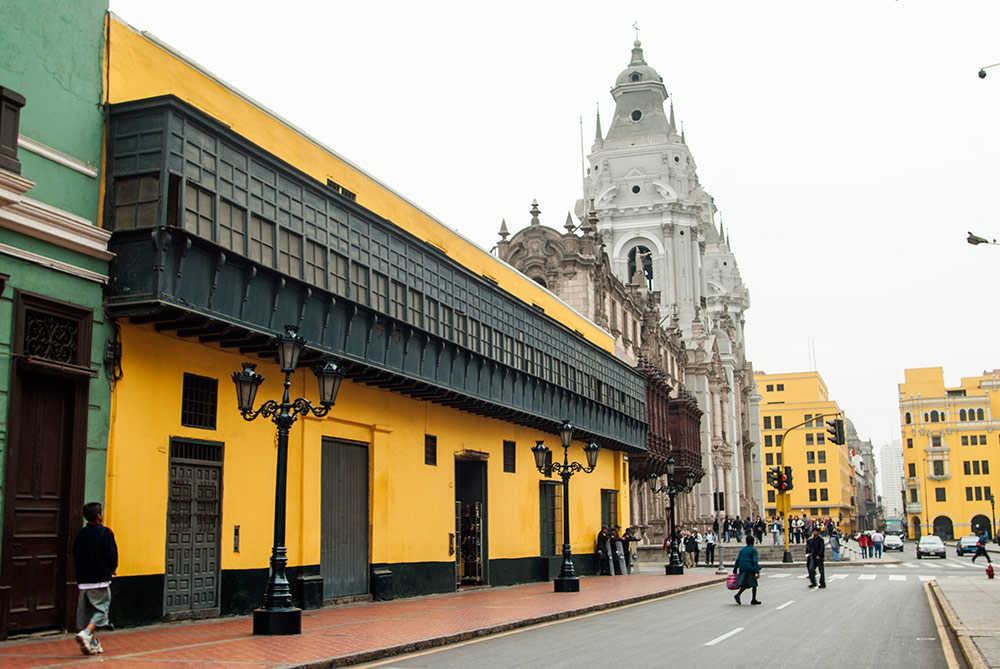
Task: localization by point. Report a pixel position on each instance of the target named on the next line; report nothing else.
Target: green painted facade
(51, 53)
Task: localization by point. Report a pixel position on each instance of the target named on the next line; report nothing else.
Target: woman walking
(748, 567)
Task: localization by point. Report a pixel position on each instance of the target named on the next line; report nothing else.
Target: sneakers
(755, 603)
(85, 639)
(89, 644)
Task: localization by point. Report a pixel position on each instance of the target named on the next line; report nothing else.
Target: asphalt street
(868, 616)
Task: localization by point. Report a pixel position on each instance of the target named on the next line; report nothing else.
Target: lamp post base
(274, 622)
(567, 584)
(674, 569)
(786, 557)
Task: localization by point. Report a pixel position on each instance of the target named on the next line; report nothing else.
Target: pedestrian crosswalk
(864, 577)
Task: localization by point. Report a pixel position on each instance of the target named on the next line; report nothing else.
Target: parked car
(930, 545)
(967, 544)
(892, 543)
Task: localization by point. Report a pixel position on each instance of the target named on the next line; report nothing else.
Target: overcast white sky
(848, 145)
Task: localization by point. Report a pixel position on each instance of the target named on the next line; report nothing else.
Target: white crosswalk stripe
(779, 575)
(835, 577)
(910, 565)
(955, 565)
(804, 576)
(897, 577)
(927, 578)
(866, 577)
(891, 566)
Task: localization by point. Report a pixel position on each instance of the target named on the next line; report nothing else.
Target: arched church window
(979, 414)
(934, 416)
(961, 415)
(908, 418)
(640, 256)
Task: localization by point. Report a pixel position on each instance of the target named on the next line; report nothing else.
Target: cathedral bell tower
(651, 211)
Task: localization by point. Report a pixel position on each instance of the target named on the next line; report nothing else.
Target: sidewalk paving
(972, 611)
(340, 636)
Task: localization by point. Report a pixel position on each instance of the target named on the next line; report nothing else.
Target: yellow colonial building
(950, 434)
(822, 475)
(229, 224)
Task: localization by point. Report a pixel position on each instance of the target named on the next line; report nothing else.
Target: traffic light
(835, 428)
(772, 476)
(785, 479)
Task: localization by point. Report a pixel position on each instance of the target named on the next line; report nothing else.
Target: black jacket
(95, 554)
(815, 547)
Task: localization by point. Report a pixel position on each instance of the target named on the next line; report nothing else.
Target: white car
(892, 543)
(930, 545)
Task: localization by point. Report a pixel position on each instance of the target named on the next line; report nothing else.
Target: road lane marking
(910, 565)
(866, 577)
(724, 636)
(834, 577)
(779, 575)
(928, 578)
(932, 566)
(955, 566)
(790, 601)
(897, 577)
(804, 576)
(891, 566)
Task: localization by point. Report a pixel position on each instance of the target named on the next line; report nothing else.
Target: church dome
(638, 71)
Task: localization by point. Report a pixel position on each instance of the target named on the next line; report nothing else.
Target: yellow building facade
(228, 224)
(949, 435)
(822, 475)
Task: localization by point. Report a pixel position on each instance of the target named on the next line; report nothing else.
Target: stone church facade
(646, 260)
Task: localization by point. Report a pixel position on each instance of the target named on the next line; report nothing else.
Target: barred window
(198, 211)
(430, 449)
(136, 200)
(289, 253)
(315, 264)
(232, 227)
(261, 242)
(550, 516)
(509, 456)
(199, 401)
(398, 301)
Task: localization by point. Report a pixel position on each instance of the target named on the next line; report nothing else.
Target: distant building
(862, 457)
(645, 208)
(950, 435)
(891, 477)
(822, 474)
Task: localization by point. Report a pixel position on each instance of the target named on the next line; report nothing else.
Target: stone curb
(972, 655)
(424, 644)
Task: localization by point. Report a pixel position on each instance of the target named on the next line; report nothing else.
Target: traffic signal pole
(785, 494)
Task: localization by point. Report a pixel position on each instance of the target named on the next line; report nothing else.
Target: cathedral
(646, 260)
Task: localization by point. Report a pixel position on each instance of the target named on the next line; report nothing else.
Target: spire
(570, 227)
(673, 125)
(722, 231)
(535, 211)
(599, 136)
(637, 58)
(504, 234)
(683, 139)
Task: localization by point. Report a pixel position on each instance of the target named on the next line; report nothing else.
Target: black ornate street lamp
(993, 514)
(567, 580)
(279, 616)
(672, 489)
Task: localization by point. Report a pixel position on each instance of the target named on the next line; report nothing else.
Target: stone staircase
(767, 552)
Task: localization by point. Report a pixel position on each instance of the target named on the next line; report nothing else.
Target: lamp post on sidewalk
(279, 616)
(675, 567)
(567, 580)
(993, 514)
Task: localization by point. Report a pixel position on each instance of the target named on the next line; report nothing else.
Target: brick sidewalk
(353, 634)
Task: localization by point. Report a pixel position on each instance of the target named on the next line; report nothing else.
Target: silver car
(892, 543)
(931, 545)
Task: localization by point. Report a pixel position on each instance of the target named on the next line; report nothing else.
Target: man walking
(981, 549)
(877, 539)
(95, 554)
(814, 558)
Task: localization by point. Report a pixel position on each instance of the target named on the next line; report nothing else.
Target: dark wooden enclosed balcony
(218, 240)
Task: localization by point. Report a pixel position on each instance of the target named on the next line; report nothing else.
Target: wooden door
(343, 553)
(38, 488)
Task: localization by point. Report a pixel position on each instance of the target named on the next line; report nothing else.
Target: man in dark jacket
(981, 549)
(815, 548)
(95, 554)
